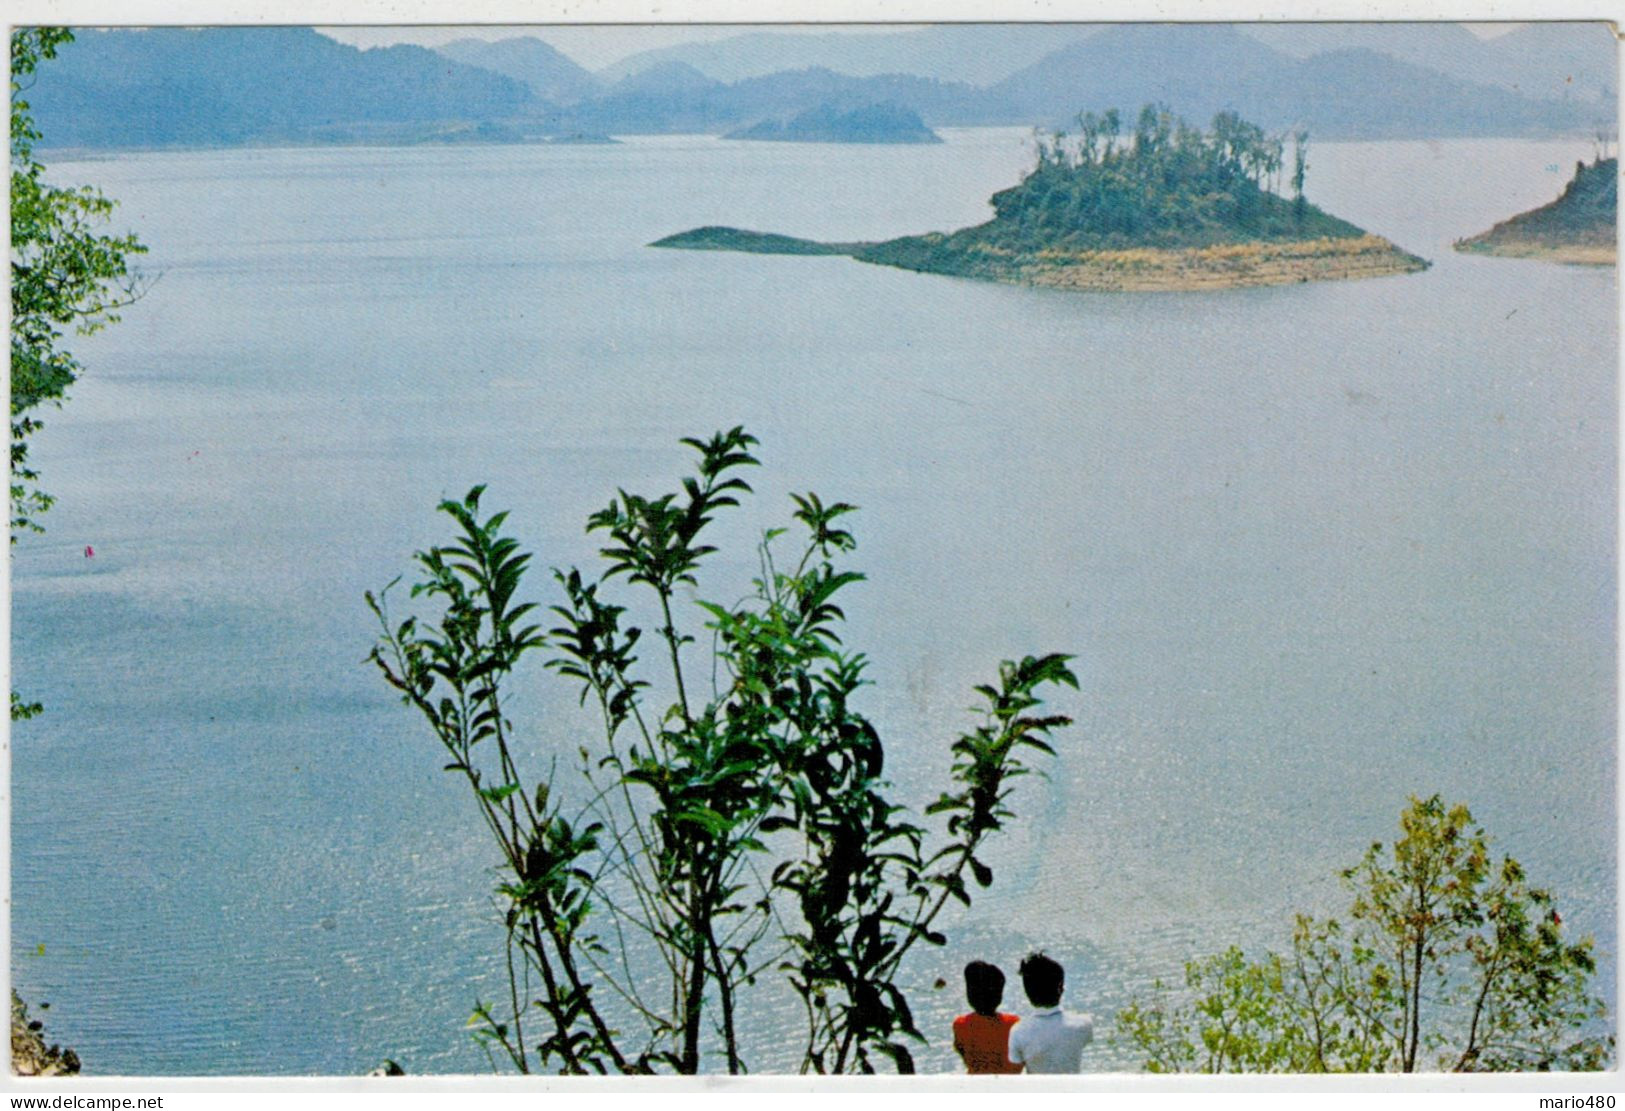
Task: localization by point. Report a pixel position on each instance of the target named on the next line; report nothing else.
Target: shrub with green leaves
(64, 274)
(1165, 184)
(1448, 961)
(741, 828)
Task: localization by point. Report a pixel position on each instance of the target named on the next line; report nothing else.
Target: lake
(1316, 549)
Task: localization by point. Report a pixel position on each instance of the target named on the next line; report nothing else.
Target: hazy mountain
(664, 78)
(1447, 47)
(1558, 60)
(973, 53)
(169, 86)
(937, 102)
(550, 74)
(1539, 60)
(669, 97)
(1198, 69)
(1360, 94)
(243, 84)
(1208, 66)
(674, 97)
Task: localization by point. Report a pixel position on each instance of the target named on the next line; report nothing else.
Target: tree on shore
(1448, 961)
(737, 828)
(65, 275)
(1300, 167)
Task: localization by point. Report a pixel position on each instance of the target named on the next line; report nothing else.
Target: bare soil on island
(1124, 270)
(1572, 254)
(1222, 266)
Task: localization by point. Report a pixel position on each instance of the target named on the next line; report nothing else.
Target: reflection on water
(1316, 548)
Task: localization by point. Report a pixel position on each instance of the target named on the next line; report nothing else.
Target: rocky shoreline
(1573, 254)
(1145, 269)
(1139, 269)
(30, 1055)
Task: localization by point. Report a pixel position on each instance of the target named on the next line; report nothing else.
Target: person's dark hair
(984, 987)
(1043, 979)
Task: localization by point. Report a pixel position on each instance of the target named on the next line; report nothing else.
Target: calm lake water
(1315, 548)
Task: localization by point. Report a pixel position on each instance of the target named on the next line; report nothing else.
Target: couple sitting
(1048, 1040)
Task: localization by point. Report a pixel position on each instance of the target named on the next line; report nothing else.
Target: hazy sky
(598, 46)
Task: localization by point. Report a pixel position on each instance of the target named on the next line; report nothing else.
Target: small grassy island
(871, 123)
(1578, 227)
(1170, 207)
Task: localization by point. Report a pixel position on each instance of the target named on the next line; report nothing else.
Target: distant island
(1578, 227)
(871, 123)
(579, 139)
(1170, 207)
(438, 133)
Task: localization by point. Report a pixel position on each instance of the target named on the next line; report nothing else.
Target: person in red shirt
(982, 1038)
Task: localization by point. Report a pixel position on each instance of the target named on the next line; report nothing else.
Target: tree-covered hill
(1166, 206)
(1579, 226)
(1167, 185)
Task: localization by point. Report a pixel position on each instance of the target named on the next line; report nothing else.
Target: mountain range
(548, 72)
(232, 85)
(676, 97)
(1355, 92)
(974, 53)
(1560, 60)
(1541, 60)
(229, 85)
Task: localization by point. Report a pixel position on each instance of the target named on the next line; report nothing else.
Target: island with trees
(1578, 227)
(869, 123)
(1167, 207)
(720, 838)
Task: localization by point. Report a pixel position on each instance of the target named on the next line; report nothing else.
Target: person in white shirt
(1049, 1040)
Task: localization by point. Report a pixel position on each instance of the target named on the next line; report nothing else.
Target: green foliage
(743, 829)
(713, 238)
(1449, 962)
(63, 274)
(1300, 167)
(1169, 185)
(1238, 1026)
(1585, 213)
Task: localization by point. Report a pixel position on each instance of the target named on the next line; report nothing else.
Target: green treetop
(1166, 184)
(1448, 961)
